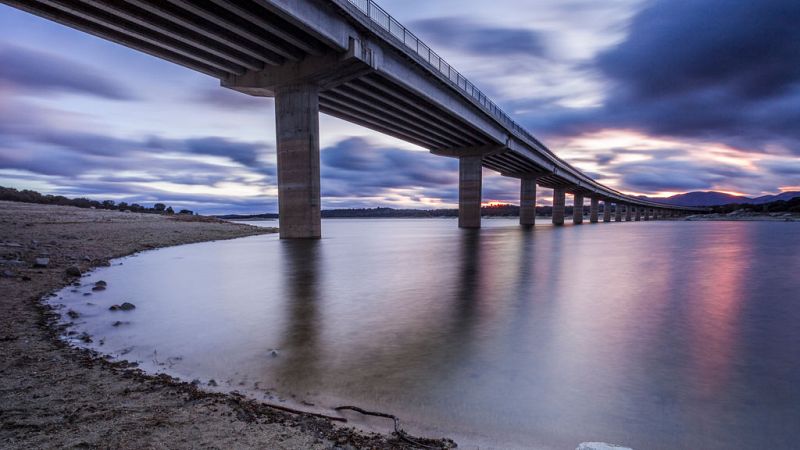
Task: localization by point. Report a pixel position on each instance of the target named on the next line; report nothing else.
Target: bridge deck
(372, 71)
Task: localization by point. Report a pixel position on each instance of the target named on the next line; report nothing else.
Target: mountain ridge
(714, 198)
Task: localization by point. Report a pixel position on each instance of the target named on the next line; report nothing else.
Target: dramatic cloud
(232, 100)
(469, 36)
(245, 153)
(648, 96)
(354, 168)
(31, 70)
(717, 70)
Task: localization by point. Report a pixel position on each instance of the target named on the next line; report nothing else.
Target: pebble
(7, 274)
(41, 262)
(73, 271)
(123, 307)
(12, 262)
(600, 446)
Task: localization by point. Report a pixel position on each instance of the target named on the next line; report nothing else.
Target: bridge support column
(297, 130)
(559, 200)
(628, 213)
(606, 211)
(577, 209)
(527, 201)
(469, 191)
(618, 213)
(637, 214)
(594, 210)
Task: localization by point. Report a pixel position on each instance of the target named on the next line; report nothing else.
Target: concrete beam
(577, 209)
(297, 129)
(559, 202)
(606, 211)
(469, 191)
(527, 201)
(594, 210)
(327, 70)
(479, 151)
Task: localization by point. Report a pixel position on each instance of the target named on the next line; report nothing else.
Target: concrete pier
(628, 213)
(594, 210)
(618, 213)
(297, 129)
(606, 211)
(637, 213)
(577, 209)
(527, 201)
(559, 200)
(469, 191)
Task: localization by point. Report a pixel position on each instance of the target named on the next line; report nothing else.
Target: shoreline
(56, 395)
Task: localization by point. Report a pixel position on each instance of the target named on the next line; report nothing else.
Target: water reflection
(299, 347)
(660, 335)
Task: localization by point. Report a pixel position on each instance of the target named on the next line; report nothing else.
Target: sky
(649, 97)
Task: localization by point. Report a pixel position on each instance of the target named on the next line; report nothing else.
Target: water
(659, 335)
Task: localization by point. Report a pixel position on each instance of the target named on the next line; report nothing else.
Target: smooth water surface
(654, 335)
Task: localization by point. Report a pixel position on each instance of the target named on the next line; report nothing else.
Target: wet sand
(54, 396)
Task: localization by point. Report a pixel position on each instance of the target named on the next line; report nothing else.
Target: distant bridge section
(352, 60)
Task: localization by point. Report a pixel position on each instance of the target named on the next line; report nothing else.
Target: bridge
(352, 60)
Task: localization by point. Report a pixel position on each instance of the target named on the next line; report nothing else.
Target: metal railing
(406, 38)
(380, 17)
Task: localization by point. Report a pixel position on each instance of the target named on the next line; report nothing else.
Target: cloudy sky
(650, 97)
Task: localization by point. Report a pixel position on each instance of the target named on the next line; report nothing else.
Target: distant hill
(712, 198)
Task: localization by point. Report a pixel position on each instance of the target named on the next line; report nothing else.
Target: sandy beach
(56, 396)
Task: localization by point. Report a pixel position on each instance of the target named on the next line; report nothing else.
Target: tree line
(792, 206)
(29, 196)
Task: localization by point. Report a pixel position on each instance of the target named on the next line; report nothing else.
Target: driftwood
(397, 430)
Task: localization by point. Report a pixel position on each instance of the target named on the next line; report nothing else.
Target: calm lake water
(657, 335)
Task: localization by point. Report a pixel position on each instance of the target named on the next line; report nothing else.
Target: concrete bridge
(352, 60)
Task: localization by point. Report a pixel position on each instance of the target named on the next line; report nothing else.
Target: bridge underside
(325, 56)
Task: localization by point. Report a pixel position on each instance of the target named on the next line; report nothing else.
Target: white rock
(600, 446)
(41, 262)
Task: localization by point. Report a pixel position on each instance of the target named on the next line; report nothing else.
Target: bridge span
(352, 60)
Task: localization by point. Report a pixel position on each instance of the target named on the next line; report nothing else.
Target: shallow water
(651, 335)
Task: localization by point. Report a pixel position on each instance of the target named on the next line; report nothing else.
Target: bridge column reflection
(299, 348)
